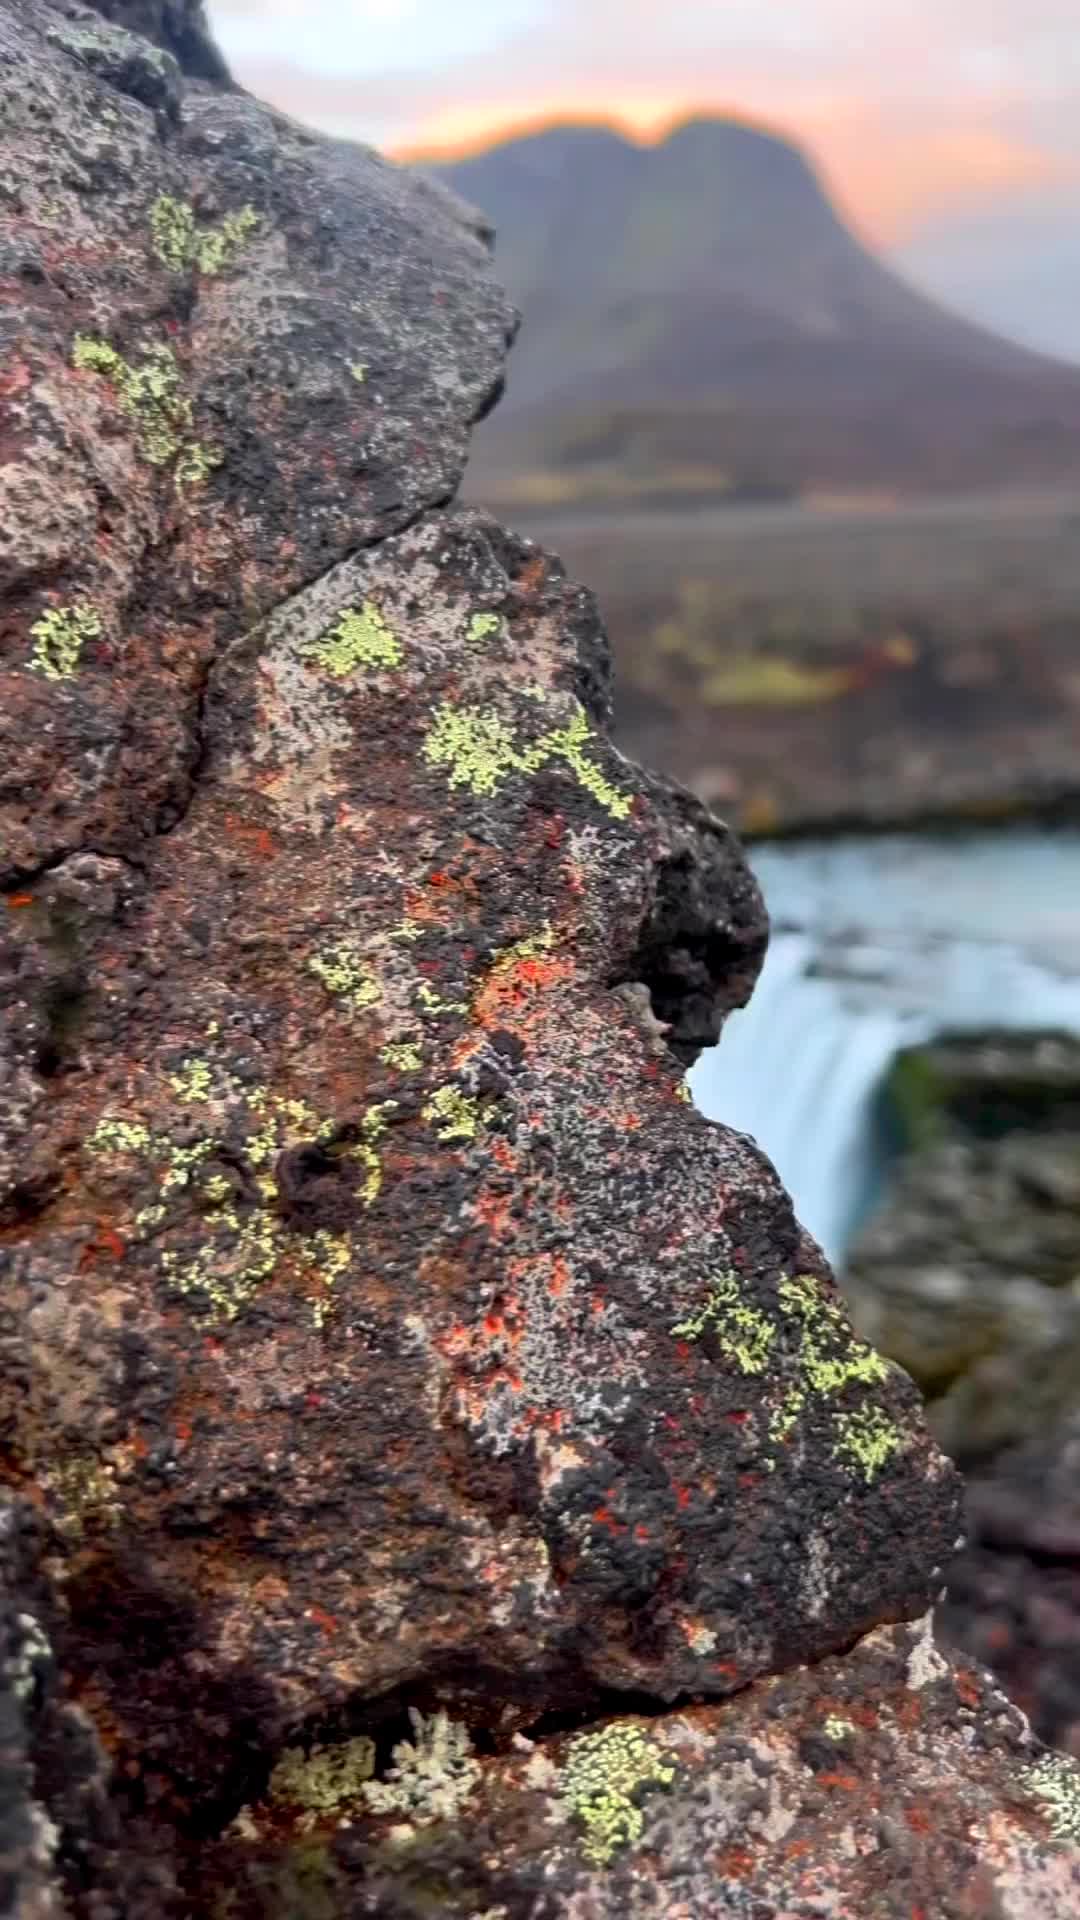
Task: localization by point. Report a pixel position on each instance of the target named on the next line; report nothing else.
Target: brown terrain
(804, 667)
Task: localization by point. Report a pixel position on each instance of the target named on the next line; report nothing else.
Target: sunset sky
(948, 130)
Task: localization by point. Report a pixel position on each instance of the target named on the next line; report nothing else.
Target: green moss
(761, 680)
(358, 638)
(915, 1096)
(603, 1777)
(59, 637)
(866, 1440)
(179, 242)
(480, 752)
(741, 1332)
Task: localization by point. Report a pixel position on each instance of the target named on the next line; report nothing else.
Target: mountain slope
(698, 319)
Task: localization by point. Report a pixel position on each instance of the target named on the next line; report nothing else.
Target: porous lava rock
(387, 1344)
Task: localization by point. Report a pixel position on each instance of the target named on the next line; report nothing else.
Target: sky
(948, 131)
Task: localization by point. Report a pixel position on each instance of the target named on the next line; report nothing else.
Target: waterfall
(880, 944)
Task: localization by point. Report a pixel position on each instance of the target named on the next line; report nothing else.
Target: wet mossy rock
(396, 1369)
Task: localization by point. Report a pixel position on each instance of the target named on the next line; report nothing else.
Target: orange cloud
(885, 177)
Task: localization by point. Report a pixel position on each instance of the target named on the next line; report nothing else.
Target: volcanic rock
(396, 1368)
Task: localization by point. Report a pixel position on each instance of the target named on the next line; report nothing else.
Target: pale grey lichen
(432, 1776)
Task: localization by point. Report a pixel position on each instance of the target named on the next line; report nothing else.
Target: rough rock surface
(967, 1274)
(384, 1335)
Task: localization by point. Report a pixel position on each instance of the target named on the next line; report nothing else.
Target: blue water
(878, 943)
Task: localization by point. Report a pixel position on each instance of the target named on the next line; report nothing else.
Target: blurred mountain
(700, 323)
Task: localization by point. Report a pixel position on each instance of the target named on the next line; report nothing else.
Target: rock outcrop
(399, 1377)
(969, 1277)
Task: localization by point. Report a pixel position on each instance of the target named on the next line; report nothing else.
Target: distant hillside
(699, 322)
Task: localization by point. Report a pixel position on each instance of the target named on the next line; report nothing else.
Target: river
(878, 943)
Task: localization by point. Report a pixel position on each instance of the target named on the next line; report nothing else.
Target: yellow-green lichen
(740, 1331)
(482, 627)
(433, 1775)
(332, 1253)
(1055, 1780)
(231, 1235)
(454, 1115)
(119, 1136)
(181, 1161)
(433, 1002)
(784, 1419)
(358, 369)
(345, 974)
(532, 948)
(405, 1055)
(151, 394)
(193, 1082)
(830, 1361)
(180, 243)
(372, 1128)
(480, 751)
(59, 637)
(360, 637)
(829, 1355)
(195, 463)
(834, 1728)
(84, 1488)
(604, 1774)
(328, 1780)
(866, 1439)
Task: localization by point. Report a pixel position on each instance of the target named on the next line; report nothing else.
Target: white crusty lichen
(432, 1775)
(1055, 1780)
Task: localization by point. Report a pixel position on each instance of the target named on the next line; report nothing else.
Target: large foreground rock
(387, 1344)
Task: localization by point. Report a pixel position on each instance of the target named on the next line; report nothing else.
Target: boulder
(396, 1368)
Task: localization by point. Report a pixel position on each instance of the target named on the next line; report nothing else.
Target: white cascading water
(879, 944)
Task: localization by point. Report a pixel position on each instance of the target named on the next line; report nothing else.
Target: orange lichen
(509, 994)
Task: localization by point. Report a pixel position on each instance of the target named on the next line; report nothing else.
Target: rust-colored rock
(385, 1335)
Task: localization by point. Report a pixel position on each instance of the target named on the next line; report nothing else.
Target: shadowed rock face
(179, 26)
(384, 1333)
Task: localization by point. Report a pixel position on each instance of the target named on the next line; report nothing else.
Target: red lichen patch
(510, 995)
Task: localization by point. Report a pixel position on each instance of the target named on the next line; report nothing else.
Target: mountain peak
(699, 300)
